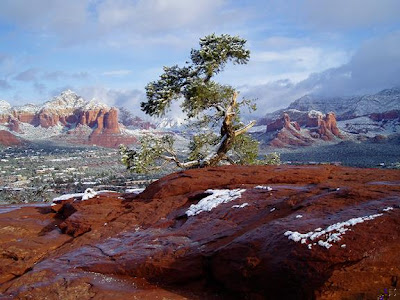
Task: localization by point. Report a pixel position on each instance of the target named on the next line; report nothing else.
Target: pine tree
(206, 103)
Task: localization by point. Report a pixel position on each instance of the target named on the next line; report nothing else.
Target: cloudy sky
(110, 49)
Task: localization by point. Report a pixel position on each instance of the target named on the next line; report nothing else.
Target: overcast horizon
(110, 49)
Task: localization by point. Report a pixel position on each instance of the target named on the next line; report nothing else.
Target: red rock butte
(306, 130)
(72, 112)
(290, 232)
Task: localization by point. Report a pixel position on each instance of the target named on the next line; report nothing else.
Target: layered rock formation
(351, 107)
(71, 112)
(359, 117)
(307, 129)
(127, 119)
(8, 139)
(234, 232)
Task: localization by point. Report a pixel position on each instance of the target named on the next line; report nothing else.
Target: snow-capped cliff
(351, 107)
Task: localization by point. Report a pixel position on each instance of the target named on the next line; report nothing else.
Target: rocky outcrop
(389, 115)
(111, 121)
(47, 120)
(14, 125)
(8, 139)
(25, 117)
(91, 117)
(360, 117)
(138, 123)
(316, 232)
(107, 132)
(307, 129)
(281, 123)
(70, 111)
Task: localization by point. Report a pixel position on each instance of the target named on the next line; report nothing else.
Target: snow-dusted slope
(351, 107)
(368, 115)
(319, 103)
(4, 106)
(27, 108)
(69, 101)
(67, 117)
(171, 123)
(383, 101)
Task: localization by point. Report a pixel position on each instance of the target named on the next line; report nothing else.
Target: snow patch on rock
(88, 194)
(261, 187)
(330, 235)
(240, 206)
(216, 198)
(134, 191)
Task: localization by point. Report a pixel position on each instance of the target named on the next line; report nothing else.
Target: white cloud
(342, 14)
(375, 66)
(273, 95)
(27, 75)
(294, 64)
(283, 42)
(55, 16)
(302, 58)
(129, 99)
(156, 15)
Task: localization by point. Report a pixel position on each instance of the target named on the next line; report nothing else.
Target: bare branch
(219, 108)
(245, 128)
(180, 164)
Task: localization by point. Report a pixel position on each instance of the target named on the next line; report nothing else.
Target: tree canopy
(213, 109)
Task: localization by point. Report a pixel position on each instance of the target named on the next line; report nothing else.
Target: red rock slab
(27, 234)
(239, 249)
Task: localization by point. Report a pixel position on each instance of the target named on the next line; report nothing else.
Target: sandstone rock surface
(8, 139)
(289, 232)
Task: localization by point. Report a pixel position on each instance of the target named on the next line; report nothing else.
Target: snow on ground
(88, 194)
(64, 159)
(240, 206)
(67, 196)
(368, 127)
(389, 208)
(134, 191)
(330, 235)
(4, 106)
(31, 132)
(216, 198)
(29, 108)
(261, 187)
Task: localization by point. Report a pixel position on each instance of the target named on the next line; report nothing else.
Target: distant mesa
(314, 119)
(67, 117)
(309, 120)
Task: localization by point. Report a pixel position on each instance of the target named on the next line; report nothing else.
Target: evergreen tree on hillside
(213, 108)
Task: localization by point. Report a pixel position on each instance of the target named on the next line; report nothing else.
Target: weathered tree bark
(228, 135)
